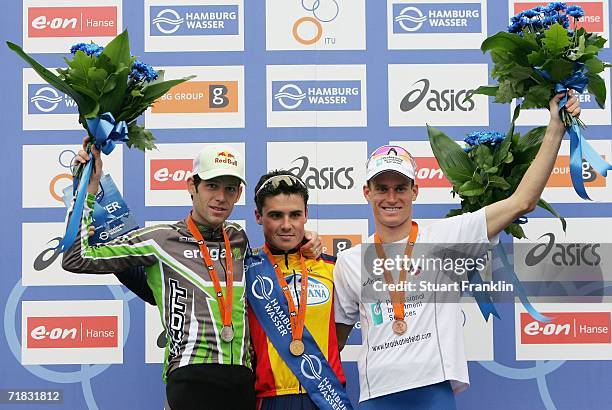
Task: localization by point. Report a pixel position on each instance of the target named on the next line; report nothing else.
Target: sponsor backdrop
(311, 86)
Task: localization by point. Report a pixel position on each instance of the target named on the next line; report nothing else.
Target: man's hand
(81, 159)
(572, 106)
(312, 248)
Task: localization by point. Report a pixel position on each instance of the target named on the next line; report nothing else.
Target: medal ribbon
(397, 297)
(297, 318)
(225, 303)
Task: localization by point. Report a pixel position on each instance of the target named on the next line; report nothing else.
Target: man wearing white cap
(195, 271)
(412, 353)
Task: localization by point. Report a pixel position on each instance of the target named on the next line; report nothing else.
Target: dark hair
(282, 188)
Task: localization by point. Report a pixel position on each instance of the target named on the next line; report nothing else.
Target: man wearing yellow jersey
(281, 200)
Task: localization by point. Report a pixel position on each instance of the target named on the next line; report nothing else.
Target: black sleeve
(135, 279)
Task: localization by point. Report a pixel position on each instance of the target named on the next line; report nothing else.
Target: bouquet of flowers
(488, 169)
(111, 89)
(543, 53)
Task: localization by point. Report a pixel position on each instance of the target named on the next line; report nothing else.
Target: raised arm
(137, 248)
(525, 198)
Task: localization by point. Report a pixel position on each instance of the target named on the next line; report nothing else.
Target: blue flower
(490, 138)
(557, 6)
(564, 20)
(89, 49)
(575, 11)
(530, 13)
(141, 71)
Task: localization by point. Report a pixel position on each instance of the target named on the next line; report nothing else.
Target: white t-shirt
(432, 350)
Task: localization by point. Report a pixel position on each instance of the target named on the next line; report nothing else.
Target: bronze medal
(227, 334)
(399, 326)
(296, 347)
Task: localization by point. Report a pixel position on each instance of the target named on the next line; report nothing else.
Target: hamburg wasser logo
(194, 20)
(313, 95)
(168, 21)
(311, 367)
(437, 18)
(43, 99)
(262, 287)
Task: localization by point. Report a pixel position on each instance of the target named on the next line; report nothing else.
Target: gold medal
(296, 347)
(227, 334)
(399, 326)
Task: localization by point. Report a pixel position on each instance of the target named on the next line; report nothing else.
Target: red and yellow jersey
(272, 376)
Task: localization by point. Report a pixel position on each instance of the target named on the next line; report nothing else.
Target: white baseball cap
(391, 158)
(219, 160)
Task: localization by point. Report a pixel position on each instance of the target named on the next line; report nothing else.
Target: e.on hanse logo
(593, 14)
(72, 332)
(170, 174)
(429, 174)
(567, 328)
(199, 97)
(100, 21)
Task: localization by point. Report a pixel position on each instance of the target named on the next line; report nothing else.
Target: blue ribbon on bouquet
(483, 299)
(508, 270)
(106, 133)
(579, 146)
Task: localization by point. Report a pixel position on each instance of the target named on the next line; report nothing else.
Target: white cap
(391, 158)
(219, 160)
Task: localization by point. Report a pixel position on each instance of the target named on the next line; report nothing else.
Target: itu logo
(47, 100)
(437, 18)
(168, 21)
(322, 11)
(313, 95)
(311, 367)
(262, 287)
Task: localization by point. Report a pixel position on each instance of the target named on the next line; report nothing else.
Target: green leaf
(533, 138)
(139, 137)
(498, 182)
(595, 65)
(539, 95)
(112, 101)
(505, 93)
(454, 212)
(510, 133)
(490, 90)
(536, 58)
(559, 68)
(597, 87)
(507, 42)
(85, 91)
(515, 230)
(502, 151)
(492, 170)
(453, 160)
(118, 50)
(97, 77)
(471, 188)
(483, 156)
(555, 39)
(84, 103)
(155, 90)
(79, 66)
(545, 205)
(509, 158)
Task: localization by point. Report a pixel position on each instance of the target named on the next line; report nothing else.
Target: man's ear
(240, 190)
(191, 186)
(258, 217)
(415, 191)
(366, 192)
